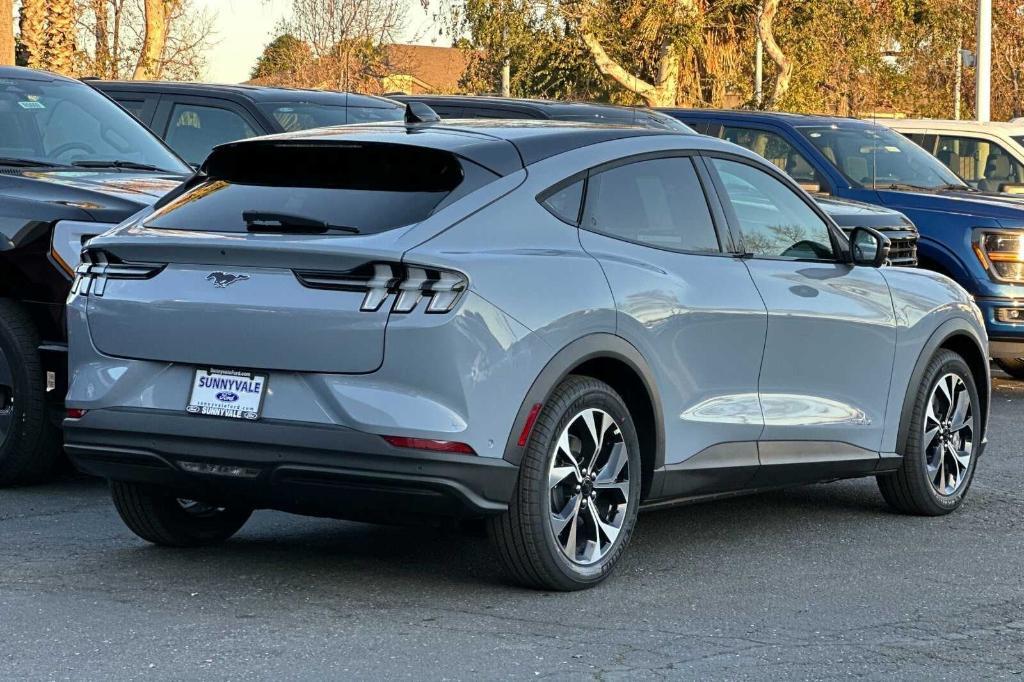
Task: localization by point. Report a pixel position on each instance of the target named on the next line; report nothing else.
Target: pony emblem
(223, 279)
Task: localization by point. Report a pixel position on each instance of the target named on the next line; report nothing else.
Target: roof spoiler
(418, 112)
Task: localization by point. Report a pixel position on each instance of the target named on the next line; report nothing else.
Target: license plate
(227, 393)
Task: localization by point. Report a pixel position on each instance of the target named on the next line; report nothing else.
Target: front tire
(1012, 366)
(162, 519)
(576, 501)
(943, 442)
(29, 443)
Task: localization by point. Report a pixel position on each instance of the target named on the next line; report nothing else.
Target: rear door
(831, 335)
(141, 105)
(688, 305)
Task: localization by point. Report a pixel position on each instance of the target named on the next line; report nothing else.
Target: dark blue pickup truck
(977, 239)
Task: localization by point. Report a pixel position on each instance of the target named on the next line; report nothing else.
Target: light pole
(983, 62)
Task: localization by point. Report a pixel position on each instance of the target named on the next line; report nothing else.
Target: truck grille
(903, 248)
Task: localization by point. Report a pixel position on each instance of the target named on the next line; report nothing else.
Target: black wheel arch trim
(950, 329)
(598, 345)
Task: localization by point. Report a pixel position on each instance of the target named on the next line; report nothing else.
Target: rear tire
(162, 519)
(1012, 366)
(29, 443)
(575, 503)
(933, 477)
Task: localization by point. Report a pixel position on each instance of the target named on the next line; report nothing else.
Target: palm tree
(60, 36)
(6, 32)
(32, 31)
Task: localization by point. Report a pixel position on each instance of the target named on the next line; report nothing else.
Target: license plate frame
(214, 398)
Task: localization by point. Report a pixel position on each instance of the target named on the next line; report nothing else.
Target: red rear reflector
(531, 419)
(428, 444)
(76, 413)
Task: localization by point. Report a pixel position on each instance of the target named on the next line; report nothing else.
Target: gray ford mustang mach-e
(548, 325)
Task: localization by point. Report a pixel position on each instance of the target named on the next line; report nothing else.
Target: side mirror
(1011, 188)
(869, 247)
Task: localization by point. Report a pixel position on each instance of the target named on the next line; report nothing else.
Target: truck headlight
(1002, 254)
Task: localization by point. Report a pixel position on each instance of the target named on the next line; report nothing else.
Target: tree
(6, 32)
(766, 16)
(32, 32)
(112, 36)
(154, 39)
(659, 25)
(60, 36)
(283, 56)
(346, 39)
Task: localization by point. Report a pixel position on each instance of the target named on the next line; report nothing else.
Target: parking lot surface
(813, 582)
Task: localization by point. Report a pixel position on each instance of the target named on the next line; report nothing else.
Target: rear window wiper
(115, 163)
(264, 221)
(28, 163)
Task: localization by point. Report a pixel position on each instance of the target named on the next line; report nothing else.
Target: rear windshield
(356, 188)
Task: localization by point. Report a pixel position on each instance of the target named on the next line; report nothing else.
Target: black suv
(193, 118)
(848, 214)
(72, 165)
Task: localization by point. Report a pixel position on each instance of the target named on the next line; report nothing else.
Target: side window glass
(776, 223)
(194, 130)
(134, 107)
(659, 203)
(373, 114)
(981, 163)
(777, 150)
(565, 203)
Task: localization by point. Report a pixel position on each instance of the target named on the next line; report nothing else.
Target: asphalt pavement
(817, 582)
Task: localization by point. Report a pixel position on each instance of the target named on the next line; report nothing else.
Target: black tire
(523, 536)
(30, 443)
(158, 517)
(908, 489)
(1012, 366)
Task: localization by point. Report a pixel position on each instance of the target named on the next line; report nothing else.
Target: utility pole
(983, 62)
(958, 77)
(758, 65)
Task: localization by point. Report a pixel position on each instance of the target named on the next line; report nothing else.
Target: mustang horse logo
(223, 279)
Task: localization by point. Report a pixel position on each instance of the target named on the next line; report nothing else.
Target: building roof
(430, 68)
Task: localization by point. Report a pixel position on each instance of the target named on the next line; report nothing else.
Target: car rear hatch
(283, 255)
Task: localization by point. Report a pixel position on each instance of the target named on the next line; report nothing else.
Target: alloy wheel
(949, 435)
(588, 482)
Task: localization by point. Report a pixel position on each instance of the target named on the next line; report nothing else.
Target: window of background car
(657, 202)
(981, 163)
(876, 157)
(134, 106)
(60, 122)
(774, 148)
(373, 114)
(194, 130)
(776, 223)
(565, 203)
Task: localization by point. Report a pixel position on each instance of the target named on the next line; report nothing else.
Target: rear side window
(565, 202)
(365, 187)
(194, 130)
(657, 202)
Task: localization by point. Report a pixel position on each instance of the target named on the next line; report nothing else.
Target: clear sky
(243, 27)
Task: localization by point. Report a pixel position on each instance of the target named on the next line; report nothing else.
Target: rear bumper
(291, 466)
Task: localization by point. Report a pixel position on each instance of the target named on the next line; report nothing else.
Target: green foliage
(280, 56)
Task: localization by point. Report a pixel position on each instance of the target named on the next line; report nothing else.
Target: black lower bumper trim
(300, 468)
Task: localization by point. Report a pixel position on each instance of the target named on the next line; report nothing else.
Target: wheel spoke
(617, 460)
(609, 531)
(961, 407)
(596, 433)
(559, 474)
(944, 386)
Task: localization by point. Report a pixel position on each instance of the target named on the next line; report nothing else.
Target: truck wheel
(943, 442)
(29, 443)
(160, 518)
(576, 501)
(1012, 366)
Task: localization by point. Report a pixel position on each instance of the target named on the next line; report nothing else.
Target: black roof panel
(256, 93)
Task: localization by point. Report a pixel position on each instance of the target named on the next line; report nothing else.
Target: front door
(831, 333)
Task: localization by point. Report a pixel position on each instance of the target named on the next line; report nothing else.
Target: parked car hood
(107, 196)
(849, 214)
(1002, 208)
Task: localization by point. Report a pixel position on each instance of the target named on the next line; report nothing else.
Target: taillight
(408, 284)
(99, 266)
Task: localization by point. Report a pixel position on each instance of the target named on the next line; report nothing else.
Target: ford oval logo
(227, 397)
